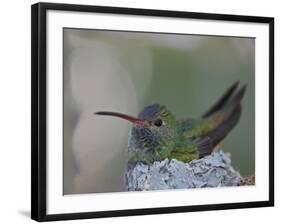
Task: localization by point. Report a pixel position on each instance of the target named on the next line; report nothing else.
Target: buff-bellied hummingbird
(157, 134)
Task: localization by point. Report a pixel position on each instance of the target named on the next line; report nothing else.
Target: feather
(227, 118)
(222, 101)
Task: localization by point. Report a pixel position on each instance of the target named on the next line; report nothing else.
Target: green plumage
(157, 134)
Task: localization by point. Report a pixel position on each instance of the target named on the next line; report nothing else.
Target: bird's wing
(206, 142)
(207, 132)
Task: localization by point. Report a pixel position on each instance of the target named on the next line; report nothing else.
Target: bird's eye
(158, 122)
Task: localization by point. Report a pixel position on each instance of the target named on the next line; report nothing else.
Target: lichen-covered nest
(214, 170)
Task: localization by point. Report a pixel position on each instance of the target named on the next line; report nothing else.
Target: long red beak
(123, 116)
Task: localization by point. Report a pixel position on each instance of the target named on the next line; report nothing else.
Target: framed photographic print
(139, 111)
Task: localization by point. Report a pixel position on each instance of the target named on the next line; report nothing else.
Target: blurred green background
(125, 71)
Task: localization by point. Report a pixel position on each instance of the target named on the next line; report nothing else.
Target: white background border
(56, 203)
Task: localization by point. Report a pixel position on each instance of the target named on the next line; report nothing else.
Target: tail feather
(227, 116)
(222, 101)
(238, 96)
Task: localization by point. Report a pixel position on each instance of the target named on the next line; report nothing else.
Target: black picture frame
(39, 122)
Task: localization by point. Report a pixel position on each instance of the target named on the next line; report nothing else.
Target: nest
(214, 170)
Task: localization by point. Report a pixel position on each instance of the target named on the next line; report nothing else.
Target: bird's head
(152, 134)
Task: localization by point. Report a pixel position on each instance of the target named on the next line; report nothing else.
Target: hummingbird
(156, 134)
